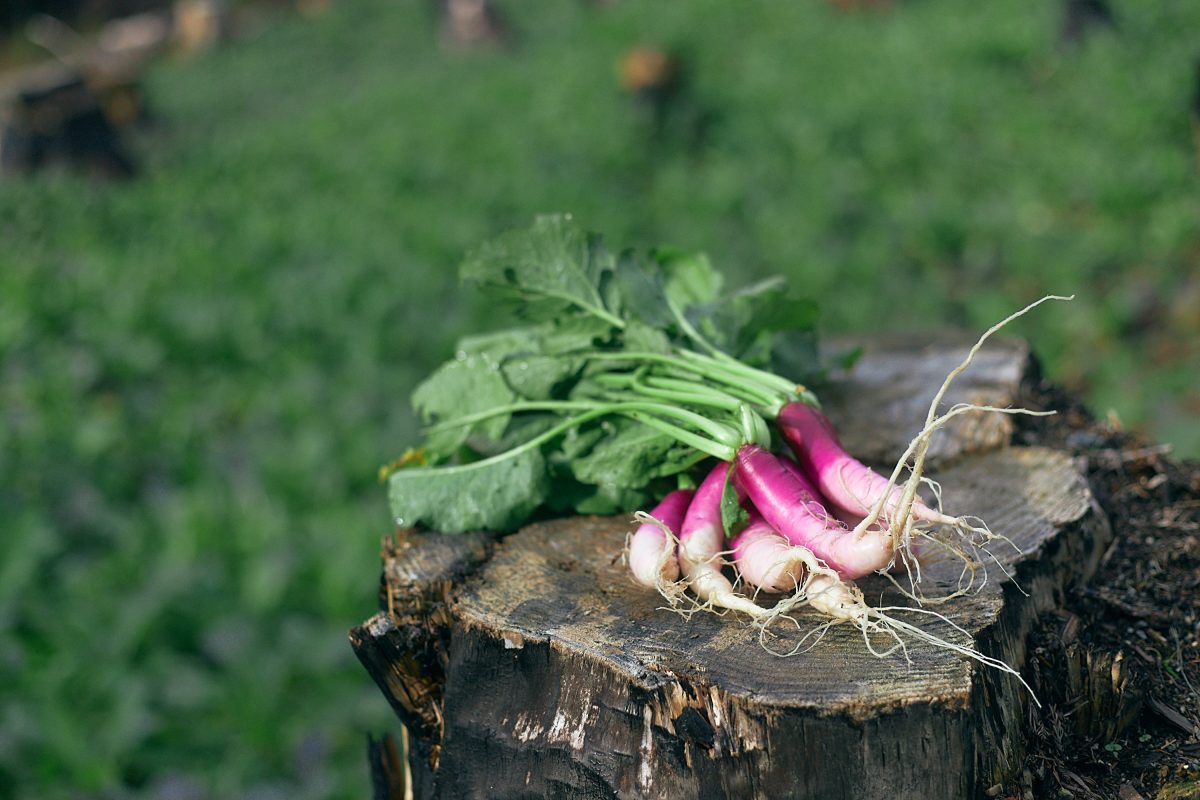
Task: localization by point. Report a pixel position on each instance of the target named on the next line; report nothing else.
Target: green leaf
(495, 494)
(733, 516)
(541, 377)
(794, 355)
(568, 494)
(543, 367)
(498, 345)
(615, 499)
(688, 278)
(638, 336)
(535, 360)
(570, 334)
(457, 388)
(777, 312)
(521, 428)
(765, 327)
(579, 441)
(552, 269)
(643, 296)
(679, 460)
(629, 456)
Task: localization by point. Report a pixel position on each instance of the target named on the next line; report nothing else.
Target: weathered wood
(539, 669)
(388, 771)
(879, 405)
(406, 648)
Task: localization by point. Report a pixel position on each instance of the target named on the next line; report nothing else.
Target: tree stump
(532, 666)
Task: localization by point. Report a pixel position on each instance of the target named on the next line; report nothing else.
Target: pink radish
(874, 505)
(829, 508)
(701, 541)
(838, 513)
(789, 503)
(766, 559)
(652, 549)
(850, 520)
(847, 483)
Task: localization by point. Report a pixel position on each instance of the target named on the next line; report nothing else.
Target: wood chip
(1127, 792)
(1174, 717)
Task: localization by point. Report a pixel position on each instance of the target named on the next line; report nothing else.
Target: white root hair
(844, 603)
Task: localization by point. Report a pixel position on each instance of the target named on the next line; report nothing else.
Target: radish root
(711, 589)
(973, 534)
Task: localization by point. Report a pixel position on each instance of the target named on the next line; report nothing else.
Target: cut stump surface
(535, 667)
(880, 403)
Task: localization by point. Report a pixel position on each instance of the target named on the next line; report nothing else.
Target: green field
(200, 371)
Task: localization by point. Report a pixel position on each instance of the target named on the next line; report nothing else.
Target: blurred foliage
(200, 372)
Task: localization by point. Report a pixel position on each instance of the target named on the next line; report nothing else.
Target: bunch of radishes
(629, 373)
(814, 522)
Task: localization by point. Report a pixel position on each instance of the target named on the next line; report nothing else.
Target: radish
(837, 512)
(700, 545)
(851, 486)
(789, 503)
(875, 506)
(905, 560)
(652, 548)
(766, 559)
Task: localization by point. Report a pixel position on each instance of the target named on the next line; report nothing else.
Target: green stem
(594, 310)
(719, 432)
(511, 408)
(704, 399)
(725, 397)
(734, 374)
(716, 449)
(754, 428)
(684, 392)
(730, 364)
(611, 319)
(536, 441)
(723, 434)
(768, 402)
(691, 332)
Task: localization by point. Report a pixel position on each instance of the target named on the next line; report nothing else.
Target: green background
(201, 370)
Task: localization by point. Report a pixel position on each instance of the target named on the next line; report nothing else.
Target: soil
(1118, 670)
